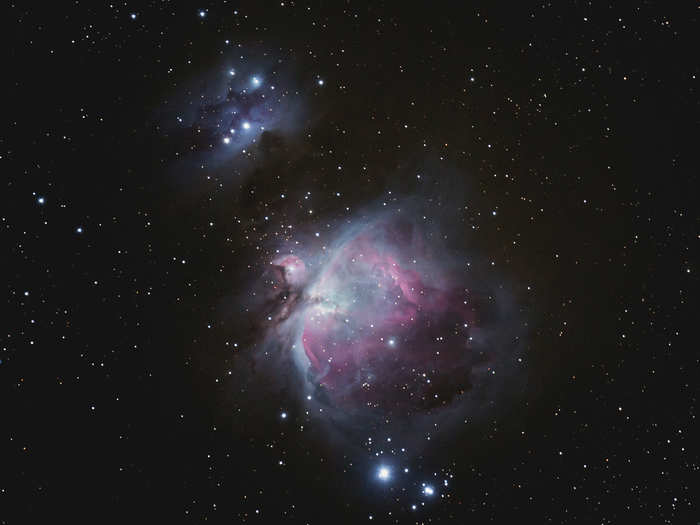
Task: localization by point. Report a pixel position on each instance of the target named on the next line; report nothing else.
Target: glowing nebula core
(294, 270)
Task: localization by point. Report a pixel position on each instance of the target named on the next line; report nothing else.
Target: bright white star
(383, 473)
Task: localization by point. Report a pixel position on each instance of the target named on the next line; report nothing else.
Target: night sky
(333, 262)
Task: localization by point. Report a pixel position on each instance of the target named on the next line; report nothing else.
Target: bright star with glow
(283, 415)
(384, 473)
(41, 200)
(428, 490)
(246, 125)
(256, 81)
(227, 140)
(320, 81)
(202, 13)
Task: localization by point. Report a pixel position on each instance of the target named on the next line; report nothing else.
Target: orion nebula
(390, 327)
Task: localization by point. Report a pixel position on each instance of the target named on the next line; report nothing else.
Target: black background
(600, 197)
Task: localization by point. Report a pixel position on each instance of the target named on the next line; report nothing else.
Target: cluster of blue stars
(384, 475)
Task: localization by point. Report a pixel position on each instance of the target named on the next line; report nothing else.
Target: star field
(350, 262)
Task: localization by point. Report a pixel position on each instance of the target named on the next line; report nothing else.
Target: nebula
(386, 327)
(381, 334)
(242, 105)
(243, 108)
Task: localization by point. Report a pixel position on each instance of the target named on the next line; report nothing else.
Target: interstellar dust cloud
(391, 328)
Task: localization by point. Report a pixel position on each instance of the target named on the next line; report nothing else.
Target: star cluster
(224, 116)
